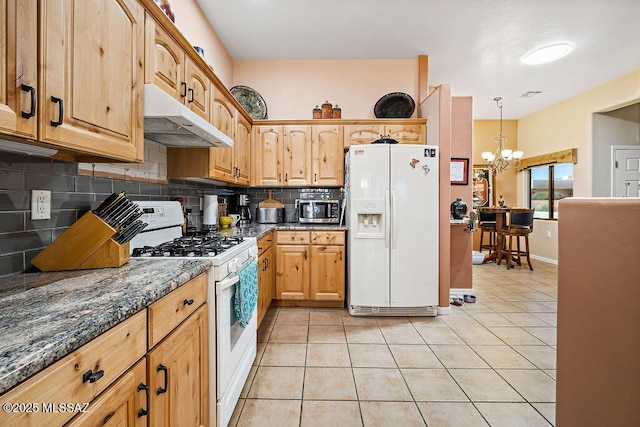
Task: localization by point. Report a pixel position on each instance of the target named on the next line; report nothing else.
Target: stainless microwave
(318, 211)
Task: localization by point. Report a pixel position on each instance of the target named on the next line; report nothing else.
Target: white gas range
(232, 349)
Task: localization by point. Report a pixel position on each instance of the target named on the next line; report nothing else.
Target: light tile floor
(489, 363)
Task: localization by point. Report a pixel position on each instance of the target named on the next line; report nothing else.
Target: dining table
(501, 219)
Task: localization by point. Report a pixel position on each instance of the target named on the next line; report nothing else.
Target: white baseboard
(543, 259)
(444, 311)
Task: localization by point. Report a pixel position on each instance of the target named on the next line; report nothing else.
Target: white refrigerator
(392, 216)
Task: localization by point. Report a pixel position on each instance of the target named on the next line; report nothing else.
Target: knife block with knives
(99, 239)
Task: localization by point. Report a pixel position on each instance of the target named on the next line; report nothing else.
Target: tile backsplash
(73, 191)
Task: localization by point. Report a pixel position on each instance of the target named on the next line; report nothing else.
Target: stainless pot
(269, 215)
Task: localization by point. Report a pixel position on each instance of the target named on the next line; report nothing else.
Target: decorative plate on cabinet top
(394, 105)
(251, 101)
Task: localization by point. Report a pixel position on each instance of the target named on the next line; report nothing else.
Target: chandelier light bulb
(518, 154)
(506, 154)
(486, 155)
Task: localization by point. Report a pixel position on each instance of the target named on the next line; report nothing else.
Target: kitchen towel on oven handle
(246, 295)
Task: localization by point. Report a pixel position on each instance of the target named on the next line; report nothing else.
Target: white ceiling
(475, 45)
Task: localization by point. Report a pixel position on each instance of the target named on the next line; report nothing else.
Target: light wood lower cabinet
(177, 372)
(310, 266)
(265, 275)
(109, 377)
(124, 404)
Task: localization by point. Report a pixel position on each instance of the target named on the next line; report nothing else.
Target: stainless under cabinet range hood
(169, 122)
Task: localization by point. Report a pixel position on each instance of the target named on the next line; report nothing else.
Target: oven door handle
(226, 283)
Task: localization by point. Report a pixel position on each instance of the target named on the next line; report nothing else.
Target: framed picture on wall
(459, 171)
(483, 184)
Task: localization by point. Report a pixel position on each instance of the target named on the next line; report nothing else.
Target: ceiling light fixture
(547, 54)
(502, 158)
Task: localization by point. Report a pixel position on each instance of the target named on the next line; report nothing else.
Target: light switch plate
(40, 204)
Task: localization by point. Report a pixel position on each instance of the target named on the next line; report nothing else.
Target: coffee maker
(243, 209)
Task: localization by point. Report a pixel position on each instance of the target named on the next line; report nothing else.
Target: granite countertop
(259, 230)
(45, 316)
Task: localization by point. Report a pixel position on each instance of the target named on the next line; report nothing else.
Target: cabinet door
(268, 155)
(327, 273)
(265, 283)
(292, 272)
(407, 134)
(92, 64)
(177, 373)
(242, 144)
(123, 404)
(328, 156)
(361, 134)
(198, 90)
(19, 67)
(297, 156)
(164, 61)
(222, 159)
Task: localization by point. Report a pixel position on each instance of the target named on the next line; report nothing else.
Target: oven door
(236, 349)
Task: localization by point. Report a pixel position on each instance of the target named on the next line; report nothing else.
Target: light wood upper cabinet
(19, 67)
(168, 67)
(177, 373)
(198, 90)
(361, 134)
(297, 156)
(404, 133)
(328, 156)
(91, 59)
(407, 134)
(242, 147)
(267, 161)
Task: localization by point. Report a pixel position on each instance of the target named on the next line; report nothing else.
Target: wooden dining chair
(487, 224)
(520, 225)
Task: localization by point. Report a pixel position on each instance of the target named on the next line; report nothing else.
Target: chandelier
(502, 158)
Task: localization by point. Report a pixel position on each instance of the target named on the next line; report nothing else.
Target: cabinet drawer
(265, 242)
(109, 355)
(168, 312)
(292, 237)
(327, 237)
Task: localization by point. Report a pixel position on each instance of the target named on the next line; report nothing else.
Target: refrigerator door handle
(394, 215)
(387, 219)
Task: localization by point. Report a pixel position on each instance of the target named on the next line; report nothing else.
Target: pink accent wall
(598, 369)
(292, 88)
(462, 147)
(437, 110)
(194, 25)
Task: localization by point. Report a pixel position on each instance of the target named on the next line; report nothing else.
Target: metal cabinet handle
(315, 177)
(163, 368)
(286, 177)
(305, 254)
(91, 376)
(191, 92)
(183, 92)
(188, 301)
(142, 412)
(32, 111)
(279, 177)
(340, 255)
(56, 100)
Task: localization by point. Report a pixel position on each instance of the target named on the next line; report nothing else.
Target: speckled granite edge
(46, 316)
(260, 230)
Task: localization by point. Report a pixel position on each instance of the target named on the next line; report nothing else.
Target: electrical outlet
(548, 234)
(40, 204)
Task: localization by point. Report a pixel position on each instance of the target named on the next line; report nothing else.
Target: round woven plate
(251, 101)
(394, 105)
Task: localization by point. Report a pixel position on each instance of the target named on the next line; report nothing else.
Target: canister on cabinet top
(317, 113)
(327, 110)
(337, 112)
